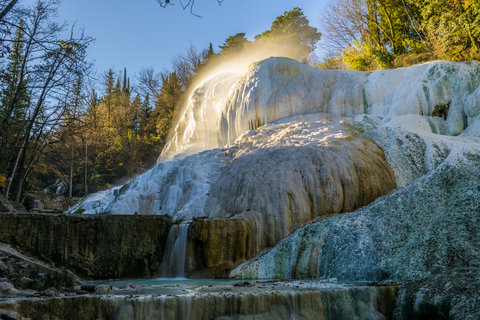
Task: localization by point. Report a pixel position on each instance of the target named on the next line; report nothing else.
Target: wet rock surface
(275, 180)
(248, 197)
(276, 168)
(98, 247)
(18, 272)
(425, 234)
(217, 300)
(289, 187)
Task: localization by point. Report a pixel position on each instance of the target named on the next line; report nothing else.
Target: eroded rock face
(386, 240)
(272, 181)
(289, 187)
(216, 246)
(25, 273)
(273, 184)
(224, 107)
(100, 247)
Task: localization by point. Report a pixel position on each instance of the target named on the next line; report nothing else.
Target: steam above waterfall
(199, 120)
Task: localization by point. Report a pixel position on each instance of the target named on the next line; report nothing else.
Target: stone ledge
(92, 246)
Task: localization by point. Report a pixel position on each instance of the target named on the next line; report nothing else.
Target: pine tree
(126, 83)
(15, 100)
(210, 52)
(293, 28)
(109, 91)
(166, 103)
(234, 44)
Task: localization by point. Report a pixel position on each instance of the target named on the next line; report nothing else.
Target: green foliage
(15, 100)
(453, 27)
(16, 90)
(166, 103)
(234, 44)
(357, 58)
(124, 135)
(293, 28)
(210, 53)
(374, 33)
(366, 57)
(332, 62)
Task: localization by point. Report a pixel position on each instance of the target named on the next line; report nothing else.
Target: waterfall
(232, 101)
(175, 256)
(200, 122)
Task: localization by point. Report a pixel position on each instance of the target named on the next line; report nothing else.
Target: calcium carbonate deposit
(282, 145)
(266, 108)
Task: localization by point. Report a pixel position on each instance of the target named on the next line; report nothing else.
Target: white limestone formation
(230, 110)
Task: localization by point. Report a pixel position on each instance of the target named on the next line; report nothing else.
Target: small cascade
(213, 300)
(175, 256)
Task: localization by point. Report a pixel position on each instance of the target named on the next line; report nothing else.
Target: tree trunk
(21, 173)
(7, 9)
(86, 166)
(71, 172)
(14, 169)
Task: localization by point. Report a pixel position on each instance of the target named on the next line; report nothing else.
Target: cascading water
(219, 167)
(229, 102)
(197, 128)
(175, 257)
(256, 155)
(217, 299)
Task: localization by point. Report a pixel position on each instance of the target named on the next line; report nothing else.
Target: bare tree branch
(7, 9)
(189, 4)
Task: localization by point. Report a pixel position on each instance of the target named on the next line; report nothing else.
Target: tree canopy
(234, 43)
(293, 28)
(373, 34)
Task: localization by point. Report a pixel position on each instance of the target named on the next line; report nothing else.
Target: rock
(97, 289)
(254, 209)
(273, 301)
(5, 206)
(88, 287)
(7, 289)
(26, 282)
(272, 93)
(50, 292)
(292, 186)
(244, 284)
(104, 289)
(5, 316)
(27, 273)
(100, 247)
(279, 88)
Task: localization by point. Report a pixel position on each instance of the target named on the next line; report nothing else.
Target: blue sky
(139, 34)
